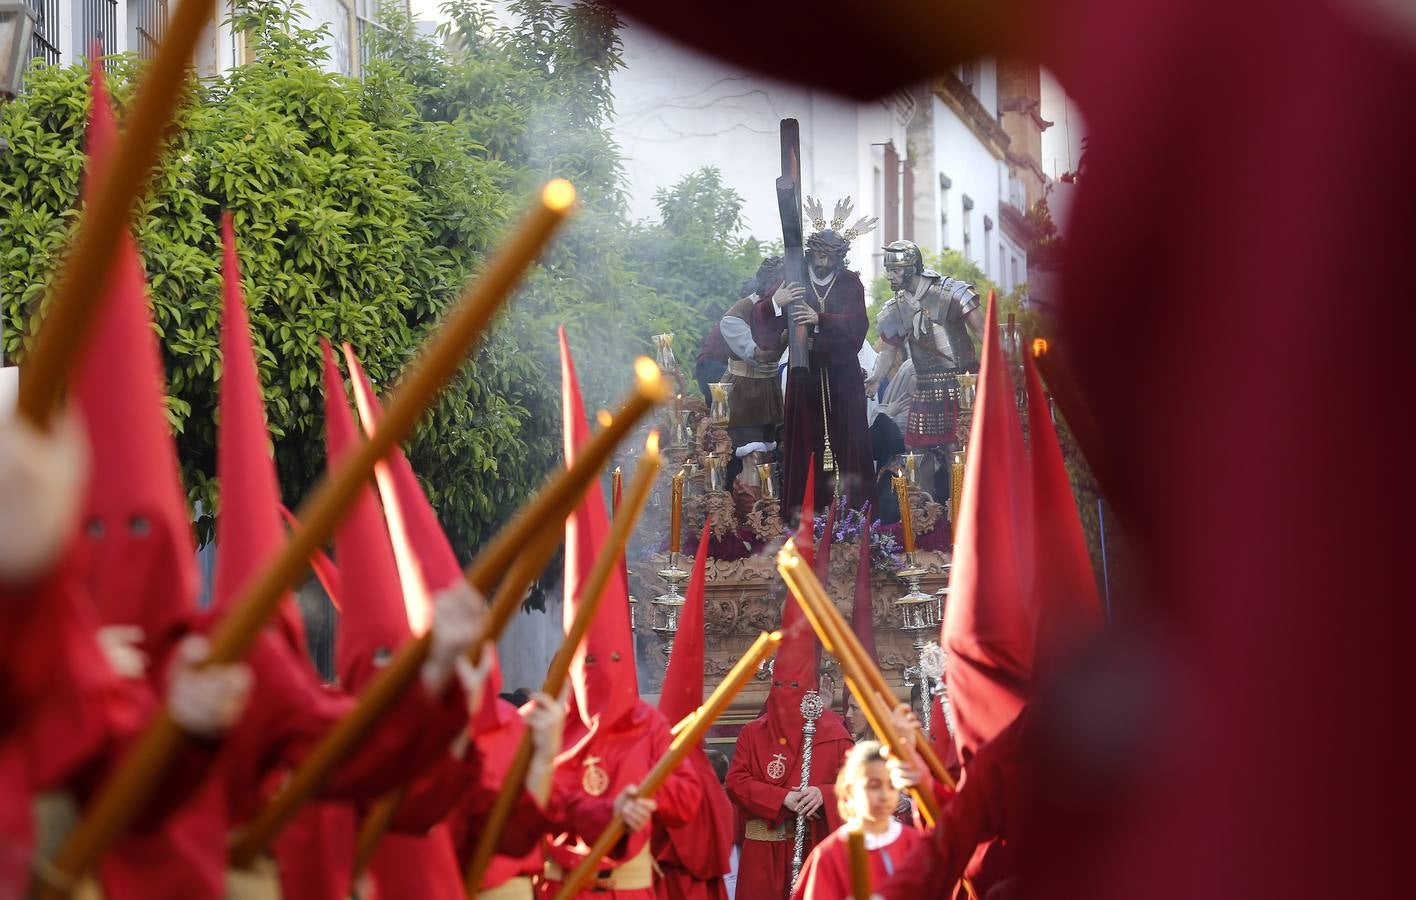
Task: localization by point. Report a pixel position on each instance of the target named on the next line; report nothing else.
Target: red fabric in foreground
(987, 627)
(1253, 456)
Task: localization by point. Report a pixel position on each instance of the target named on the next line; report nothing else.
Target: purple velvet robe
(833, 360)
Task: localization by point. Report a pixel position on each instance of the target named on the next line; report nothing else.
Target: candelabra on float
(669, 604)
(678, 425)
(921, 614)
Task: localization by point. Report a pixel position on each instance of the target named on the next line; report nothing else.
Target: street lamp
(16, 35)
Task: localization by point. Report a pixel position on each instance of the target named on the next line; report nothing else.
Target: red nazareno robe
(287, 714)
(694, 857)
(764, 770)
(518, 852)
(624, 752)
(73, 723)
(826, 874)
(834, 360)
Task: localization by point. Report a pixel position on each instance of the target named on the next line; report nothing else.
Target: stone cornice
(1025, 161)
(1016, 225)
(957, 96)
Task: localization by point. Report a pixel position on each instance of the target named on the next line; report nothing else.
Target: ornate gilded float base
(744, 597)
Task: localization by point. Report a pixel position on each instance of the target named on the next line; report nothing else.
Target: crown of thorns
(842, 212)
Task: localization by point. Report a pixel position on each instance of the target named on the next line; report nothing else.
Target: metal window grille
(46, 30)
(366, 14)
(150, 24)
(98, 22)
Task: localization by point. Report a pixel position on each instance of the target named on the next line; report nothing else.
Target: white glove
(120, 647)
(209, 700)
(41, 485)
(458, 613)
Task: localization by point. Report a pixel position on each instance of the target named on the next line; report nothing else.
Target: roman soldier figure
(931, 319)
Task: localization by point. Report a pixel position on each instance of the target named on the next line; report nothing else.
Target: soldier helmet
(903, 255)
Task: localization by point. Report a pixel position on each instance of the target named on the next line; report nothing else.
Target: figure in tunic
(934, 319)
(825, 400)
(755, 404)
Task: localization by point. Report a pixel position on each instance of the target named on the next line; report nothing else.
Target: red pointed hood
(605, 686)
(862, 613)
(704, 844)
(822, 564)
(1066, 605)
(140, 560)
(987, 627)
(372, 623)
(426, 563)
(248, 527)
(683, 679)
(794, 667)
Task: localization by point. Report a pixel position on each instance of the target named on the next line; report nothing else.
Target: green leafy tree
(356, 220)
(361, 207)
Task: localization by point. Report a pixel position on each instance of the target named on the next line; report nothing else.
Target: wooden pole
(860, 865)
(607, 560)
(124, 793)
(80, 288)
(813, 600)
(683, 743)
(509, 595)
(548, 511)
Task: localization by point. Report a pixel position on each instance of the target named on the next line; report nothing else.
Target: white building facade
(677, 111)
(935, 163)
(66, 29)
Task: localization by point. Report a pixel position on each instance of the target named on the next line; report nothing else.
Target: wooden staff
(684, 742)
(812, 599)
(860, 864)
(607, 560)
(549, 509)
(64, 332)
(509, 595)
(123, 794)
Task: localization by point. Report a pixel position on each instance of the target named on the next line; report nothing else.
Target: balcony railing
(150, 24)
(46, 30)
(98, 23)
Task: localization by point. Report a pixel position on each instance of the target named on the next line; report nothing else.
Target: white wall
(974, 171)
(1062, 143)
(526, 647)
(677, 111)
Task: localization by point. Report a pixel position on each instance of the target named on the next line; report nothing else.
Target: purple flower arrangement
(885, 547)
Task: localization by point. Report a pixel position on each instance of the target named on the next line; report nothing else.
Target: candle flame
(651, 382)
(1039, 348)
(558, 195)
(604, 418)
(651, 443)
